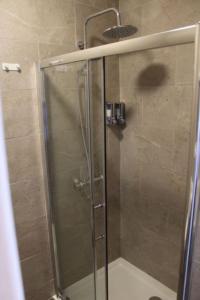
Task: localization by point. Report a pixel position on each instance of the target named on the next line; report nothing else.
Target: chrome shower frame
(179, 36)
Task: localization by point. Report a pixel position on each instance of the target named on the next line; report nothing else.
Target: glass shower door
(157, 88)
(72, 181)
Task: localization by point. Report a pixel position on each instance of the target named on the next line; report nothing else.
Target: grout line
(35, 133)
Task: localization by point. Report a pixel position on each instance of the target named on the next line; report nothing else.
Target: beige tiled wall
(30, 31)
(154, 152)
(157, 88)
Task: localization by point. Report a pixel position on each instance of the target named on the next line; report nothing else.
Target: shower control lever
(100, 205)
(100, 237)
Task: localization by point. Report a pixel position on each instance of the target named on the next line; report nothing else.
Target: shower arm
(112, 9)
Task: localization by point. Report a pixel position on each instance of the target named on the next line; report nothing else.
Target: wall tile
(144, 251)
(197, 245)
(67, 153)
(50, 50)
(24, 10)
(162, 105)
(113, 3)
(184, 71)
(85, 2)
(75, 253)
(182, 13)
(181, 151)
(194, 294)
(37, 280)
(148, 69)
(19, 20)
(20, 111)
(33, 241)
(23, 158)
(82, 12)
(57, 35)
(153, 22)
(42, 293)
(58, 13)
(101, 4)
(28, 202)
(126, 5)
(63, 106)
(112, 73)
(25, 54)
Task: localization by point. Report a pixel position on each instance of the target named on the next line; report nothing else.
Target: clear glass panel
(66, 100)
(114, 135)
(156, 86)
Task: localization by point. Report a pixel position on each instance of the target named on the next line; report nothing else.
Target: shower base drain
(155, 298)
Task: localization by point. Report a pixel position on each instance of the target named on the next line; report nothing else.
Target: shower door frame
(178, 36)
(43, 123)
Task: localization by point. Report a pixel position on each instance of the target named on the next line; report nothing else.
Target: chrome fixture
(101, 205)
(11, 67)
(116, 32)
(100, 237)
(119, 31)
(78, 184)
(59, 297)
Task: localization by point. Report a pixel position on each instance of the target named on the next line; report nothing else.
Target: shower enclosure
(122, 201)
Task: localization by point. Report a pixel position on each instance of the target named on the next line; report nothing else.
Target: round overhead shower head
(120, 31)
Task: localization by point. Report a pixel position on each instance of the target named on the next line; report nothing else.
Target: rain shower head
(115, 32)
(120, 31)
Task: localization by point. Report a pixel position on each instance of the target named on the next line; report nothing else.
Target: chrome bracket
(101, 205)
(59, 297)
(55, 297)
(78, 184)
(11, 67)
(100, 237)
(81, 45)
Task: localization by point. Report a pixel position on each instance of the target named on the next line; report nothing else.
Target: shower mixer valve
(78, 184)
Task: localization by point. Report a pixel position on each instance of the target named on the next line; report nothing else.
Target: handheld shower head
(119, 31)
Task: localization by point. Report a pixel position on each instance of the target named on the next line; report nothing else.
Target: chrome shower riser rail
(173, 37)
